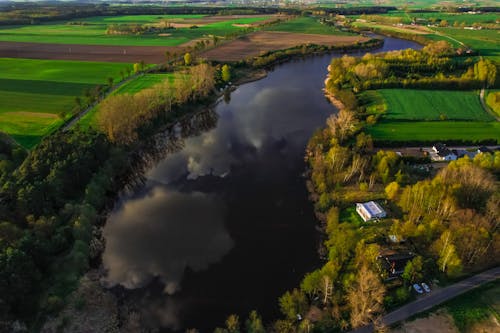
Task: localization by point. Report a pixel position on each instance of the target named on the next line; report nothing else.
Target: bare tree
(366, 297)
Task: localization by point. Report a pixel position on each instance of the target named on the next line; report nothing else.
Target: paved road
(425, 302)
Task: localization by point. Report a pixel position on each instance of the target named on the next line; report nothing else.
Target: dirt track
(149, 54)
(256, 43)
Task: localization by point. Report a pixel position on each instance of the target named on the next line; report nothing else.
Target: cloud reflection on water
(161, 234)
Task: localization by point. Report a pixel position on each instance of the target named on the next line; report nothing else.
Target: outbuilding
(370, 210)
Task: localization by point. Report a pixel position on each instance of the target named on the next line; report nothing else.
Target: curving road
(427, 301)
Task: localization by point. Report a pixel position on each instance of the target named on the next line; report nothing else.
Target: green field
(94, 31)
(426, 131)
(486, 42)
(35, 92)
(412, 104)
(436, 17)
(142, 82)
(306, 25)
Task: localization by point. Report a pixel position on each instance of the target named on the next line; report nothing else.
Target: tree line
(122, 115)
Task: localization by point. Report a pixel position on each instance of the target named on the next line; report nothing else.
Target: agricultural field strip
(143, 82)
(412, 104)
(94, 33)
(307, 25)
(35, 92)
(434, 131)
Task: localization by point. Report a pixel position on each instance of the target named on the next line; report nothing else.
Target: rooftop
(373, 208)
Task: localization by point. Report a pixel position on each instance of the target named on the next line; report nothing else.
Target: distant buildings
(370, 210)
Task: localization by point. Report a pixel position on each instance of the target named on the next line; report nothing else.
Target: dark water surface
(224, 224)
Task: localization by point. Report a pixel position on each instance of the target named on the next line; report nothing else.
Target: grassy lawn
(143, 82)
(412, 104)
(306, 25)
(94, 32)
(35, 92)
(427, 131)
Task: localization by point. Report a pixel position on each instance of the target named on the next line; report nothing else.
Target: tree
(293, 303)
(187, 59)
(391, 190)
(225, 73)
(110, 81)
(202, 78)
(312, 283)
(137, 67)
(365, 297)
(233, 324)
(254, 323)
(413, 270)
(448, 260)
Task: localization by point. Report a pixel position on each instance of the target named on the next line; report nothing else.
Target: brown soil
(259, 42)
(439, 321)
(149, 54)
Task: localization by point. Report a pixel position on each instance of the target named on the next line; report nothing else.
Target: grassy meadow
(484, 41)
(428, 115)
(34, 93)
(93, 31)
(412, 104)
(142, 82)
(427, 131)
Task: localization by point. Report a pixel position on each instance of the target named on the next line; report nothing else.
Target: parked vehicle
(426, 287)
(417, 288)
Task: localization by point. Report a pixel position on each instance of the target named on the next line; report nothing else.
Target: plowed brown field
(263, 41)
(149, 54)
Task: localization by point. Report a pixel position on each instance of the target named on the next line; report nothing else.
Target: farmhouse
(370, 210)
(442, 153)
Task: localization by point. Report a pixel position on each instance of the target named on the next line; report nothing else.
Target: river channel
(223, 223)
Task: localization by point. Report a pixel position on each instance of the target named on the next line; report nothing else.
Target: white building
(442, 153)
(370, 210)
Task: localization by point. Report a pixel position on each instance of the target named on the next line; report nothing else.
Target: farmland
(483, 41)
(35, 94)
(92, 31)
(142, 82)
(264, 41)
(306, 25)
(411, 104)
(429, 131)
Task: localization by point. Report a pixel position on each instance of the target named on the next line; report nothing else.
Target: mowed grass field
(428, 131)
(143, 82)
(93, 32)
(412, 104)
(33, 93)
(306, 25)
(486, 42)
(410, 115)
